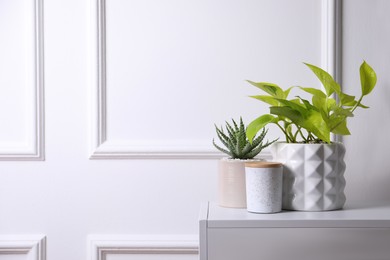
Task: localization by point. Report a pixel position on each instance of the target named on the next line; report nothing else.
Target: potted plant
(231, 174)
(313, 178)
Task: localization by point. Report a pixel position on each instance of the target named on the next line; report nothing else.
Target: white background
(174, 68)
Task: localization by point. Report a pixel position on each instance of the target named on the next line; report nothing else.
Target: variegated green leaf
(270, 88)
(367, 78)
(256, 125)
(326, 79)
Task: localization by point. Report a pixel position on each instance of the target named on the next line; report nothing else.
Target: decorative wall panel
(128, 72)
(142, 247)
(28, 247)
(21, 80)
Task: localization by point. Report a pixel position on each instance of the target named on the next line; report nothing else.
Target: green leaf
(312, 122)
(257, 124)
(259, 139)
(267, 99)
(294, 105)
(288, 112)
(331, 104)
(308, 105)
(222, 136)
(221, 149)
(320, 103)
(232, 137)
(341, 128)
(260, 147)
(326, 79)
(270, 88)
(247, 148)
(346, 99)
(236, 129)
(296, 101)
(236, 143)
(339, 111)
(242, 135)
(287, 92)
(367, 78)
(318, 126)
(314, 92)
(353, 103)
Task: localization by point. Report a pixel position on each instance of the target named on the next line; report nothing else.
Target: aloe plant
(237, 145)
(314, 121)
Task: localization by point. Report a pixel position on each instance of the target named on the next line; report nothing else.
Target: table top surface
(359, 215)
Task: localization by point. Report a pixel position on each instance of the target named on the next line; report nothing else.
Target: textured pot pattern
(313, 175)
(231, 183)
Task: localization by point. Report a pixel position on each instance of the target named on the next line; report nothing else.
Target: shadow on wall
(368, 154)
(379, 152)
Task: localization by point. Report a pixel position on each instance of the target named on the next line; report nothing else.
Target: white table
(358, 232)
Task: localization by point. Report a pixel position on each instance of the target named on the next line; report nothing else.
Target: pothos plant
(311, 122)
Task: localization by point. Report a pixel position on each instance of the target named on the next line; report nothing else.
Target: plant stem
(296, 133)
(287, 126)
(288, 139)
(310, 137)
(300, 132)
(357, 104)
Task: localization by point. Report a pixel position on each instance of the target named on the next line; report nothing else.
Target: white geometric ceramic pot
(313, 175)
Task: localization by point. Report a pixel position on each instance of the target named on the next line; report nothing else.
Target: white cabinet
(358, 232)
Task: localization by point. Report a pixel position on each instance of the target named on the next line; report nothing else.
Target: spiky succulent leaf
(254, 152)
(237, 144)
(242, 135)
(236, 129)
(260, 138)
(221, 149)
(269, 143)
(231, 132)
(237, 148)
(232, 148)
(221, 135)
(248, 147)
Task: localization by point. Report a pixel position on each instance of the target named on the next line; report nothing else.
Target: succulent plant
(237, 144)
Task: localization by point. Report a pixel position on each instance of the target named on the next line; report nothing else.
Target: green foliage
(237, 144)
(311, 121)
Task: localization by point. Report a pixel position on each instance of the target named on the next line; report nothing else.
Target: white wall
(173, 69)
(366, 35)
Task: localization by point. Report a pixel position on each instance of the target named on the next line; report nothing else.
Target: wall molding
(103, 149)
(34, 149)
(331, 42)
(32, 246)
(100, 246)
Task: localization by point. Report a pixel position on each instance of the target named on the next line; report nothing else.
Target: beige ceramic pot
(231, 183)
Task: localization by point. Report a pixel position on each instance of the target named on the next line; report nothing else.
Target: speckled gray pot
(313, 175)
(264, 187)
